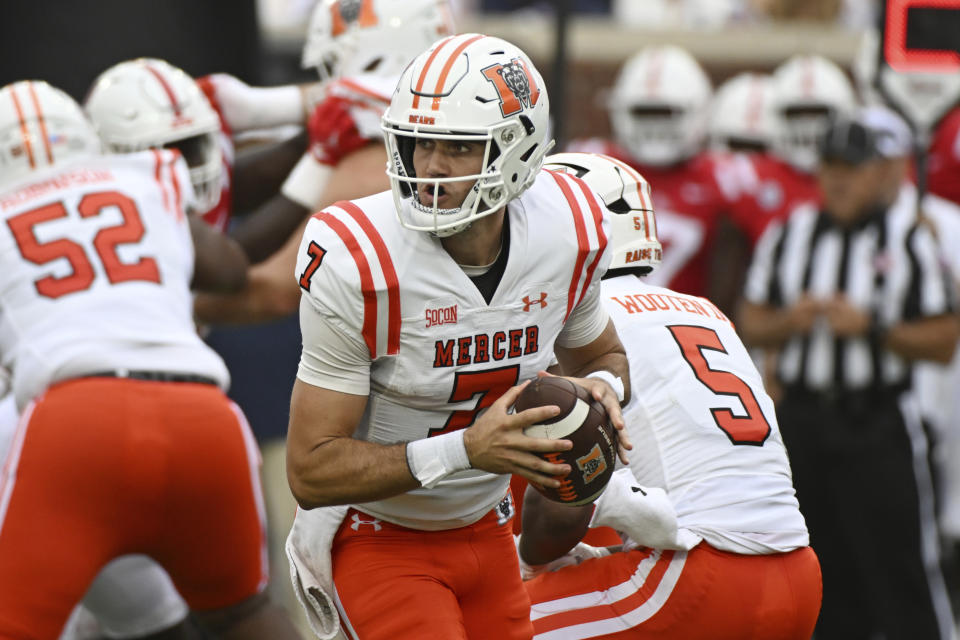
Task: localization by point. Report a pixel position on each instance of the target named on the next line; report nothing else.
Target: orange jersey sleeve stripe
(389, 274)
(158, 176)
(582, 241)
(601, 237)
(369, 327)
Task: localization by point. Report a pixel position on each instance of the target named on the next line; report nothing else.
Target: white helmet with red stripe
(349, 37)
(741, 118)
(148, 104)
(659, 105)
(40, 126)
(473, 87)
(809, 91)
(626, 194)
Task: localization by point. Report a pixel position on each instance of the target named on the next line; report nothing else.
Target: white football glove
(643, 514)
(576, 555)
(245, 107)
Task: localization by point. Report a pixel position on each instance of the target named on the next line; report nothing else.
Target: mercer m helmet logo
(542, 301)
(515, 86)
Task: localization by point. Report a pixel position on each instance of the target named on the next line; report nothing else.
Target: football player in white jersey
(715, 545)
(126, 440)
(425, 311)
(358, 51)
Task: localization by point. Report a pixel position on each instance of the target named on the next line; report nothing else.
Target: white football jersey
(702, 426)
(439, 353)
(96, 261)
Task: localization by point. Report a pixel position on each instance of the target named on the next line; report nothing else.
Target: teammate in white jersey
(715, 544)
(425, 310)
(126, 440)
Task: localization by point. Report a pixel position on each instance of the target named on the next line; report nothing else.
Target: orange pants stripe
(103, 467)
(395, 583)
(702, 593)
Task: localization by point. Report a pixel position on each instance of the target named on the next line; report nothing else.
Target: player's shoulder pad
(346, 270)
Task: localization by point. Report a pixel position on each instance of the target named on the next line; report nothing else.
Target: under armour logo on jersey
(375, 523)
(527, 302)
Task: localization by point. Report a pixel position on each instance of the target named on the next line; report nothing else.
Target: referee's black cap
(849, 141)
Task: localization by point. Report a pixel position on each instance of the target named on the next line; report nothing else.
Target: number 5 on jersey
(751, 429)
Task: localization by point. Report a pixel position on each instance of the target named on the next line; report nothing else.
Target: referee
(851, 295)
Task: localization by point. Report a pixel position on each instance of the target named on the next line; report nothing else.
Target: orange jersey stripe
(369, 327)
(582, 241)
(389, 274)
(158, 176)
(601, 237)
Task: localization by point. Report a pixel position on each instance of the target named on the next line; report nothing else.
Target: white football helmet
(626, 194)
(659, 106)
(741, 118)
(809, 90)
(474, 87)
(148, 104)
(40, 126)
(349, 37)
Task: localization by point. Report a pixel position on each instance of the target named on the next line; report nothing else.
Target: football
(584, 422)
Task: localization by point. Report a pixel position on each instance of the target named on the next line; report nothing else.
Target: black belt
(154, 376)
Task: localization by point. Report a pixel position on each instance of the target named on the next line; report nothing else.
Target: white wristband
(433, 459)
(306, 183)
(614, 381)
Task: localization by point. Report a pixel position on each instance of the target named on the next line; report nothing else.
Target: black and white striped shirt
(886, 264)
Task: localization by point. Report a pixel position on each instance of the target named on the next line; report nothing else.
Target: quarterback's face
(446, 159)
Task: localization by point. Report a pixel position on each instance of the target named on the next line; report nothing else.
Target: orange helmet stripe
(166, 88)
(449, 65)
(426, 68)
(23, 128)
(41, 121)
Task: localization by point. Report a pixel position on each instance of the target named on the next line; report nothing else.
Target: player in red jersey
(658, 110)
